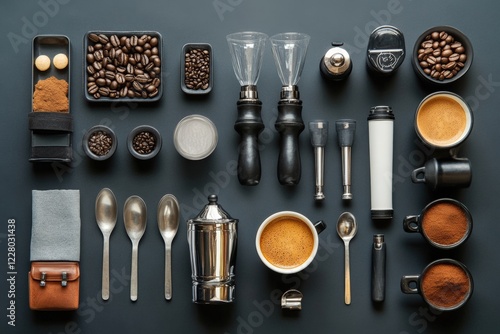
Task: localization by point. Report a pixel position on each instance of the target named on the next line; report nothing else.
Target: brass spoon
(346, 229)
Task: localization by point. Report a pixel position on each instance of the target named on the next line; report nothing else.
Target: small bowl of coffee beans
(144, 142)
(196, 68)
(442, 55)
(99, 142)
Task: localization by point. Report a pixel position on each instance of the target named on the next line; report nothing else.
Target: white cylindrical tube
(380, 132)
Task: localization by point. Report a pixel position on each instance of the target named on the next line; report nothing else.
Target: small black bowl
(87, 137)
(459, 37)
(186, 49)
(135, 132)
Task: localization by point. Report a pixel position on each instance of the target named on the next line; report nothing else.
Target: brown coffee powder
(287, 242)
(441, 120)
(51, 95)
(445, 223)
(445, 285)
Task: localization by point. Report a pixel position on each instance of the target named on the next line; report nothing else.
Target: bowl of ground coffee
(442, 55)
(445, 223)
(444, 284)
(99, 143)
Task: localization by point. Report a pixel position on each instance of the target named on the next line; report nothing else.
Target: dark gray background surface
(255, 309)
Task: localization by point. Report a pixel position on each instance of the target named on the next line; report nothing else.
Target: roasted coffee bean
(120, 78)
(93, 38)
(100, 143)
(103, 38)
(197, 69)
(144, 142)
(104, 91)
(123, 67)
(440, 55)
(92, 89)
(115, 41)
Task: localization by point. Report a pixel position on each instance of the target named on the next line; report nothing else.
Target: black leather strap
(50, 121)
(51, 153)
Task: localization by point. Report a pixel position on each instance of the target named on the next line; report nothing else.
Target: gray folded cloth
(55, 231)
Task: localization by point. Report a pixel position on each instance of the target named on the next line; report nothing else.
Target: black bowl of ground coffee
(99, 143)
(445, 284)
(442, 55)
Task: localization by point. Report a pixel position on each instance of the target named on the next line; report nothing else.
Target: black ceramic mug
(448, 172)
(445, 284)
(445, 223)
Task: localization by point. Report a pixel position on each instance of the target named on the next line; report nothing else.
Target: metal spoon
(105, 215)
(346, 229)
(168, 223)
(134, 217)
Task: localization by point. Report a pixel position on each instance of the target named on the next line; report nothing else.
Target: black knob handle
(289, 124)
(249, 125)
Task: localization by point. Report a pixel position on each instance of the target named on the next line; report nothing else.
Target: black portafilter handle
(249, 125)
(289, 124)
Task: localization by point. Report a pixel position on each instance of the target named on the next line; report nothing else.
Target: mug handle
(320, 226)
(410, 224)
(416, 173)
(406, 281)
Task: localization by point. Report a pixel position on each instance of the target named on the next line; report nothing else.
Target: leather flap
(53, 271)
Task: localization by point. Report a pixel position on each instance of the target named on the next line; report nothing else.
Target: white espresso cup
(287, 241)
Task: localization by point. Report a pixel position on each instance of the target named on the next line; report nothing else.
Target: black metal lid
(386, 50)
(381, 112)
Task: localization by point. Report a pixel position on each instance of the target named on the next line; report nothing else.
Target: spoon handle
(133, 275)
(105, 269)
(347, 298)
(168, 272)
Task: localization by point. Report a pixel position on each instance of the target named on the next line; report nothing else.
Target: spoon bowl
(106, 216)
(135, 219)
(346, 229)
(168, 224)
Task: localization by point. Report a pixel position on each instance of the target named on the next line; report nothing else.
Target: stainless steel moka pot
(212, 239)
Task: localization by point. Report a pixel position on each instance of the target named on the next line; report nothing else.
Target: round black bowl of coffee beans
(196, 68)
(442, 55)
(99, 142)
(144, 142)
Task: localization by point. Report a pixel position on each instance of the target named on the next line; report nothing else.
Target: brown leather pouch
(54, 286)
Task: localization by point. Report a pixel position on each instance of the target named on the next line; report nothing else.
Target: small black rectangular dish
(51, 131)
(200, 72)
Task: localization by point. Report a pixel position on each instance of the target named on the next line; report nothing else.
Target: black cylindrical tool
(290, 125)
(249, 125)
(378, 268)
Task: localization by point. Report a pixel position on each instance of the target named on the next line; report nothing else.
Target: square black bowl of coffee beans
(196, 68)
(123, 66)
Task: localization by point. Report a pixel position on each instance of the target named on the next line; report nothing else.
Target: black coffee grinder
(289, 50)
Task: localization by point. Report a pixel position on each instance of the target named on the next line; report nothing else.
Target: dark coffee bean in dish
(100, 143)
(197, 69)
(441, 56)
(144, 142)
(123, 67)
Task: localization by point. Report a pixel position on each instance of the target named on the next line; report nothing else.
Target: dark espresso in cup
(445, 285)
(443, 120)
(287, 242)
